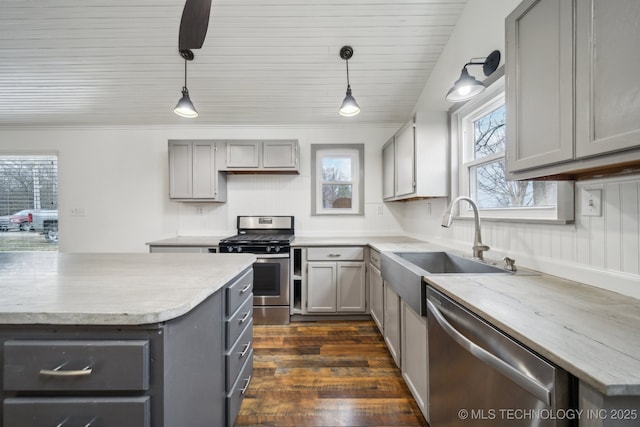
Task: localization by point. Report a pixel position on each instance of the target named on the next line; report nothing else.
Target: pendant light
(467, 86)
(349, 106)
(184, 107)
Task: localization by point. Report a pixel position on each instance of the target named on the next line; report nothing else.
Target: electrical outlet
(78, 212)
(591, 203)
(379, 209)
(428, 208)
(200, 210)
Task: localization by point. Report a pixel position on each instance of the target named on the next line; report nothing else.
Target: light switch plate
(591, 204)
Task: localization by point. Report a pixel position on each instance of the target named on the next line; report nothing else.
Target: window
(337, 175)
(478, 133)
(28, 203)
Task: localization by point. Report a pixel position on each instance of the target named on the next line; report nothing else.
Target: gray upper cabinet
(415, 159)
(194, 172)
(388, 170)
(607, 88)
(571, 92)
(539, 88)
(263, 156)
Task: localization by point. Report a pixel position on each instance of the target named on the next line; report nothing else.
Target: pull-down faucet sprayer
(447, 220)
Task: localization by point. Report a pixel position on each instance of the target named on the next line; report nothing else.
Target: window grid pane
(492, 190)
(28, 185)
(488, 133)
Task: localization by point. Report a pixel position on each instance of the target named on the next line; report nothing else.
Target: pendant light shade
(184, 107)
(349, 106)
(467, 86)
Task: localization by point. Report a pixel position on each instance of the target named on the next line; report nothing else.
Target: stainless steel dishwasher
(480, 376)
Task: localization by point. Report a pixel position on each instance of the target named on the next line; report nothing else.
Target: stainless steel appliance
(479, 376)
(269, 238)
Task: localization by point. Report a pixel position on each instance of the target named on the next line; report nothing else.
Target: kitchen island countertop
(109, 289)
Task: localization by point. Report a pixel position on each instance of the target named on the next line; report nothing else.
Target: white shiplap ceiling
(264, 62)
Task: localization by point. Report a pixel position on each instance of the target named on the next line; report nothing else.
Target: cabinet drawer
(236, 357)
(235, 396)
(237, 292)
(63, 411)
(336, 254)
(76, 365)
(374, 258)
(238, 322)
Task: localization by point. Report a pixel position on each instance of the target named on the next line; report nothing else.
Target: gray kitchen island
(124, 339)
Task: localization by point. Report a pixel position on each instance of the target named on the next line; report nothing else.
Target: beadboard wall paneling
(603, 250)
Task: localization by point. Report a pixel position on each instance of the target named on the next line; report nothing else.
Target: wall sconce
(349, 106)
(466, 87)
(185, 107)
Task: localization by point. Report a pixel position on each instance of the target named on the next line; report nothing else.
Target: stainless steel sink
(403, 271)
(446, 263)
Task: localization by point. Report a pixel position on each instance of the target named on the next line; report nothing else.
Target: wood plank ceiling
(264, 62)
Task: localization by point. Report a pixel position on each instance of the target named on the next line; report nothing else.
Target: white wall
(120, 177)
(602, 251)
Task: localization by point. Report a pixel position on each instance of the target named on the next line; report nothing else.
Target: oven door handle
(271, 256)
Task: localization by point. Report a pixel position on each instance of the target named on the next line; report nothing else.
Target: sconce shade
(466, 87)
(184, 107)
(349, 106)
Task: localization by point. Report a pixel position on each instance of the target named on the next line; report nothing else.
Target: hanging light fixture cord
(347, 61)
(185, 73)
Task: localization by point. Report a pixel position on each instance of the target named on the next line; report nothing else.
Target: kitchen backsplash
(603, 251)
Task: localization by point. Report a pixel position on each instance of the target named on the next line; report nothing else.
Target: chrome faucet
(447, 220)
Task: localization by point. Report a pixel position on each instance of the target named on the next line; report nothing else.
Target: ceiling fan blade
(194, 24)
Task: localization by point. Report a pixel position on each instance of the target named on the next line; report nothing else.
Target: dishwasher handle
(532, 386)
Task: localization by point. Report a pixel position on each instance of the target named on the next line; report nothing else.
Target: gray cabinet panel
(280, 154)
(539, 93)
(76, 365)
(236, 357)
(243, 154)
(237, 392)
(239, 321)
(238, 291)
(607, 63)
(77, 411)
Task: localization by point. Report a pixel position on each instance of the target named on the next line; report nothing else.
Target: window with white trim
(28, 203)
(478, 136)
(337, 179)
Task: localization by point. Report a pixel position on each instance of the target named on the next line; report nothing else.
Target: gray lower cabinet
(192, 370)
(376, 290)
(415, 363)
(238, 343)
(336, 280)
(392, 323)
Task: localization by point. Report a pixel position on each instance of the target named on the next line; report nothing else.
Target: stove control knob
(229, 248)
(276, 248)
(239, 248)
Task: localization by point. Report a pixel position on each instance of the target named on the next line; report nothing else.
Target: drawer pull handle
(245, 349)
(245, 317)
(63, 422)
(334, 255)
(58, 372)
(245, 289)
(246, 386)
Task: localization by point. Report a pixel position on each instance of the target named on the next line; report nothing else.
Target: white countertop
(109, 289)
(590, 332)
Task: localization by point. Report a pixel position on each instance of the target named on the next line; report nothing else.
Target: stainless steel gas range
(269, 238)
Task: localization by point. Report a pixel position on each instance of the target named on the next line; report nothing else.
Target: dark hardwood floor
(325, 374)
